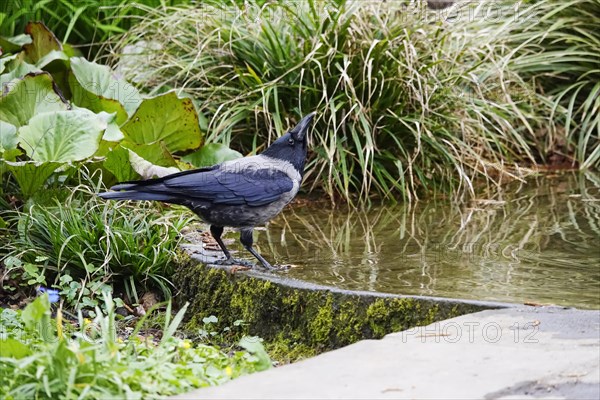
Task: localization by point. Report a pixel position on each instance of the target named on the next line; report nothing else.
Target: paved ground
(498, 354)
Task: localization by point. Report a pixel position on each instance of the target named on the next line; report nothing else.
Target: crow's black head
(292, 146)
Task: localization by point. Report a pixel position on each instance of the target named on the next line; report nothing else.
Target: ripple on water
(538, 242)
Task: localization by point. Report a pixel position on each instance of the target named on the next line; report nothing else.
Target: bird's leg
(216, 232)
(246, 240)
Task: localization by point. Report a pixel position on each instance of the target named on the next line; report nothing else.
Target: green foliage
(96, 87)
(211, 154)
(30, 176)
(63, 136)
(83, 243)
(82, 22)
(560, 51)
(409, 100)
(177, 127)
(8, 137)
(18, 106)
(43, 357)
(59, 111)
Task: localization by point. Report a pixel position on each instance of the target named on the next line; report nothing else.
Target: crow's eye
(291, 142)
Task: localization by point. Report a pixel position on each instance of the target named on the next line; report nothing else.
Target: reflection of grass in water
(546, 227)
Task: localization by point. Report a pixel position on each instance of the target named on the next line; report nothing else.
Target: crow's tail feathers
(135, 191)
(133, 195)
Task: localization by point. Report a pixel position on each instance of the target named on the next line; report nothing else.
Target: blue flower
(52, 294)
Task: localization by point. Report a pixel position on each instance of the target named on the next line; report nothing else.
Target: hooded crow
(241, 193)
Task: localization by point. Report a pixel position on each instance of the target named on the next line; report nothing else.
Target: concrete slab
(526, 352)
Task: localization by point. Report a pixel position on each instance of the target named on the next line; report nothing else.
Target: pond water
(537, 242)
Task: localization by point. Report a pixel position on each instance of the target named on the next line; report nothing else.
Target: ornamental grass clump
(411, 100)
(560, 54)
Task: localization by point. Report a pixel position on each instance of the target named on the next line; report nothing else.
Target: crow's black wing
(250, 187)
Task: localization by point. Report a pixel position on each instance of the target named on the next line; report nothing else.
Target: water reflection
(536, 242)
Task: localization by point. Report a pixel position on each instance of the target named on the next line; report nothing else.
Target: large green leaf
(63, 136)
(147, 170)
(18, 70)
(32, 95)
(148, 158)
(117, 162)
(156, 153)
(211, 154)
(50, 57)
(8, 136)
(42, 42)
(96, 87)
(14, 44)
(8, 144)
(5, 61)
(165, 118)
(31, 176)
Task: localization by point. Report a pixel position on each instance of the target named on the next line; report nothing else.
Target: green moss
(285, 350)
(321, 325)
(391, 315)
(299, 322)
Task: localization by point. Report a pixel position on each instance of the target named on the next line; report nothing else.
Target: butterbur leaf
(42, 41)
(156, 153)
(165, 118)
(112, 133)
(97, 88)
(51, 56)
(31, 176)
(149, 159)
(63, 136)
(14, 44)
(19, 69)
(71, 51)
(28, 97)
(8, 136)
(5, 61)
(117, 163)
(211, 154)
(148, 170)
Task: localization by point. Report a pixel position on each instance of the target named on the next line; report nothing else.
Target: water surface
(537, 242)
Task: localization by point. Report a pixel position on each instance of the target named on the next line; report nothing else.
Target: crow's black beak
(300, 130)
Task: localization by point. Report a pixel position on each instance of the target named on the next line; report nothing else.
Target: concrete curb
(524, 352)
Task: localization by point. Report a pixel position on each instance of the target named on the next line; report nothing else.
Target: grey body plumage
(241, 193)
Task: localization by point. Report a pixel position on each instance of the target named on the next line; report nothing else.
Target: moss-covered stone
(298, 321)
